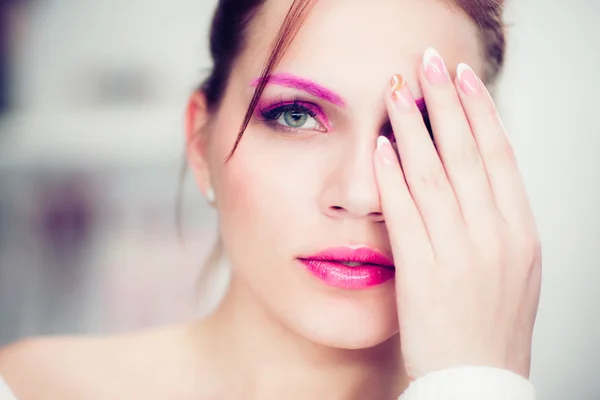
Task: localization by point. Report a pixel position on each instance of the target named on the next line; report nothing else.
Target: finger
(410, 242)
(423, 170)
(496, 151)
(455, 143)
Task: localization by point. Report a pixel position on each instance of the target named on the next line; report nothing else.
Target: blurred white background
(91, 147)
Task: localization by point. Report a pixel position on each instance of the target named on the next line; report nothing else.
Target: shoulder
(35, 354)
(72, 367)
(35, 367)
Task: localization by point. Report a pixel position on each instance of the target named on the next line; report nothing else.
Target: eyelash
(270, 114)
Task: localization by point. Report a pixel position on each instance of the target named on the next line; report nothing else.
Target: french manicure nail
(435, 69)
(467, 80)
(385, 151)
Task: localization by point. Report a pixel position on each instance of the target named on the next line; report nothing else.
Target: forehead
(354, 46)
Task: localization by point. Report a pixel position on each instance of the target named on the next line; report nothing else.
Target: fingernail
(385, 151)
(401, 93)
(435, 69)
(467, 80)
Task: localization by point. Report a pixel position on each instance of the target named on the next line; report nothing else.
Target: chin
(309, 308)
(351, 340)
(346, 320)
(352, 333)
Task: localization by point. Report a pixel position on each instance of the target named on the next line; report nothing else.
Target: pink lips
(375, 268)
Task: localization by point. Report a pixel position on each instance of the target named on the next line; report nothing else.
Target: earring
(210, 196)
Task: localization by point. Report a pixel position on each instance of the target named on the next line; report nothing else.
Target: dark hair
(228, 35)
(228, 38)
(488, 15)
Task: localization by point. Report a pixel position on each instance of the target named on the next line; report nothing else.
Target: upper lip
(348, 254)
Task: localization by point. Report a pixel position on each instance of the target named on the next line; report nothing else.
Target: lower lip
(342, 276)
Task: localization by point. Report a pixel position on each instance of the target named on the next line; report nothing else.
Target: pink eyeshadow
(320, 115)
(305, 85)
(421, 105)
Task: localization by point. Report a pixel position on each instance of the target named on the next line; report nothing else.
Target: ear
(196, 132)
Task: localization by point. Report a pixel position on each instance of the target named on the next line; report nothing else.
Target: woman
(366, 264)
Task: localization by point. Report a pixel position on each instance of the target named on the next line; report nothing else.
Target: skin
(457, 224)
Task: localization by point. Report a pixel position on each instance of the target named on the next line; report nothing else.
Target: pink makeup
(421, 105)
(271, 111)
(350, 268)
(305, 85)
(315, 89)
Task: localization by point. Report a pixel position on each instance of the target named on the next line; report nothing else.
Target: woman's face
(302, 179)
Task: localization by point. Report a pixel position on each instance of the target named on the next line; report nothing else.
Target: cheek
(261, 185)
(269, 194)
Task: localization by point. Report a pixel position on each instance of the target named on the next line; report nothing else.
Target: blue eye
(292, 116)
(295, 115)
(295, 118)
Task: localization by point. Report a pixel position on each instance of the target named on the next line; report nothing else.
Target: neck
(272, 362)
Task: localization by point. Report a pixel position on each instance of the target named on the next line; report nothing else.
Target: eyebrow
(317, 90)
(305, 85)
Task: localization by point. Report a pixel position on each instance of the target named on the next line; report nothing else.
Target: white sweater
(470, 383)
(461, 383)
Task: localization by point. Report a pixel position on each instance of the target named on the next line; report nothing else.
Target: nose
(350, 188)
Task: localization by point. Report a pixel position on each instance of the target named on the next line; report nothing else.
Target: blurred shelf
(138, 135)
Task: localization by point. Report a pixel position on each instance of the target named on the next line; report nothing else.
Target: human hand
(464, 239)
